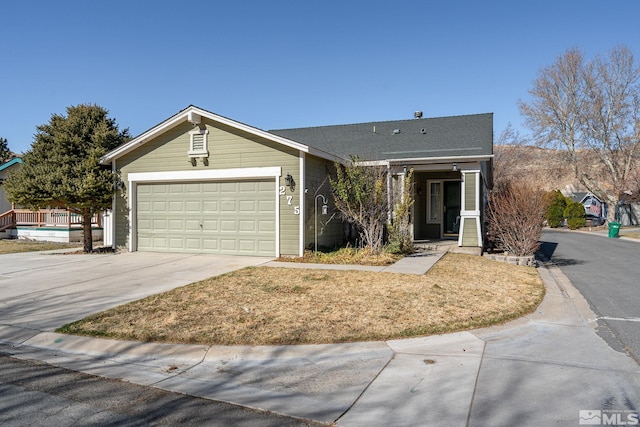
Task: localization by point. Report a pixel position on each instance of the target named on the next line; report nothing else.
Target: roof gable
(195, 114)
(448, 137)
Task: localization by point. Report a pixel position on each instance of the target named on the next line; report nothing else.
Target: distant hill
(548, 168)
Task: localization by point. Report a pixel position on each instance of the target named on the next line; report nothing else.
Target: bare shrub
(360, 194)
(515, 215)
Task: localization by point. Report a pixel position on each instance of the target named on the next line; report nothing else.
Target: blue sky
(283, 64)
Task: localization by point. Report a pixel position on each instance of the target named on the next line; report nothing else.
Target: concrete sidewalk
(539, 370)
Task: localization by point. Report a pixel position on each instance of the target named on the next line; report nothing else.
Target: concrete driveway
(547, 368)
(43, 291)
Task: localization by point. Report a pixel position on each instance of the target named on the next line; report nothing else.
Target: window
(434, 201)
(198, 143)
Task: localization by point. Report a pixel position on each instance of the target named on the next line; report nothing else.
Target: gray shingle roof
(469, 135)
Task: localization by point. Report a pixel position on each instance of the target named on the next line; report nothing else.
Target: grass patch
(262, 305)
(630, 234)
(16, 246)
(349, 256)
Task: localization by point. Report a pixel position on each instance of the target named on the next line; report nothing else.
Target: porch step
(435, 245)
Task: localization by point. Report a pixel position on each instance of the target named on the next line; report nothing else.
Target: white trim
(373, 163)
(112, 217)
(273, 172)
(133, 215)
(301, 191)
(209, 174)
(277, 196)
(449, 159)
(440, 202)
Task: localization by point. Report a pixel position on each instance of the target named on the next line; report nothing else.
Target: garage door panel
(266, 246)
(247, 206)
(191, 225)
(194, 206)
(159, 206)
(211, 225)
(192, 188)
(210, 206)
(216, 218)
(228, 245)
(247, 246)
(228, 225)
(176, 243)
(176, 225)
(144, 206)
(159, 224)
(247, 187)
(228, 206)
(246, 226)
(229, 187)
(192, 243)
(210, 245)
(160, 242)
(210, 187)
(266, 226)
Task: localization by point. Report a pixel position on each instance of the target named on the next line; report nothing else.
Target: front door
(451, 208)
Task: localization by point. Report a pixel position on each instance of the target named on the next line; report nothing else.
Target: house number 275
(296, 209)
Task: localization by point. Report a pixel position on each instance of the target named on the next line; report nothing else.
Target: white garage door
(224, 217)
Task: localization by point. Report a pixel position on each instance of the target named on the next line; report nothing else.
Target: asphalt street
(606, 271)
(38, 394)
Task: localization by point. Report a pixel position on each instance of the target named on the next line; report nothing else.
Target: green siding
(469, 232)
(330, 228)
(228, 148)
(470, 188)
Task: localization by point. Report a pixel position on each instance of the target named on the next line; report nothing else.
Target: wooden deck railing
(7, 220)
(44, 218)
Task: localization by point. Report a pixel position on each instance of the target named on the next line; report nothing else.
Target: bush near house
(574, 212)
(515, 215)
(555, 213)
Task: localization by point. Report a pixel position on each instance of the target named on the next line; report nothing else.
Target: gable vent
(198, 143)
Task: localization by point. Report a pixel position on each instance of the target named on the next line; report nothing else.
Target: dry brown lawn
(15, 246)
(267, 305)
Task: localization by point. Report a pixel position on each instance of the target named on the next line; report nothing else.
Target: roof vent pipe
(417, 115)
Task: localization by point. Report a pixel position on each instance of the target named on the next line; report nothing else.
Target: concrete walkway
(539, 370)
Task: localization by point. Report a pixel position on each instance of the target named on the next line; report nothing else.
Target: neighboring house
(595, 209)
(54, 225)
(200, 182)
(5, 169)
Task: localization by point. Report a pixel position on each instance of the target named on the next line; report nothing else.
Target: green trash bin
(614, 229)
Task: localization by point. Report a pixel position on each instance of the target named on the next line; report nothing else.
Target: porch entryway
(438, 201)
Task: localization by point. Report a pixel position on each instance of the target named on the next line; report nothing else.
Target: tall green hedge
(575, 214)
(555, 212)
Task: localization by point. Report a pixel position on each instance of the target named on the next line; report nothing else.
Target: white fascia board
(204, 175)
(426, 160)
(144, 137)
(373, 163)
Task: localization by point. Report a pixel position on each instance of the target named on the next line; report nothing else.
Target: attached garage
(231, 211)
(223, 217)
